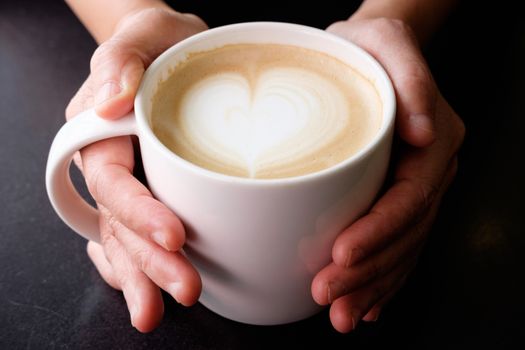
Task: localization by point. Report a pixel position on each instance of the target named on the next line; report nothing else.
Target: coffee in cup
(265, 110)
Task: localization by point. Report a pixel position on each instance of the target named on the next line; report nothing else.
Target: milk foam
(265, 110)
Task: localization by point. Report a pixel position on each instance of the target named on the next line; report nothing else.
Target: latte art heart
(265, 111)
(286, 113)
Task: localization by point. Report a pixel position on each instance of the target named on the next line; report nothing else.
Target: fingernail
(174, 289)
(335, 290)
(421, 121)
(354, 323)
(354, 255)
(160, 238)
(133, 313)
(107, 91)
(376, 316)
(372, 316)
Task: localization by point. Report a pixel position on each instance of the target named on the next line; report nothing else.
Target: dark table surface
(468, 288)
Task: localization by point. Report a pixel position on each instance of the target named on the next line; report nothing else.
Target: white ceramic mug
(256, 243)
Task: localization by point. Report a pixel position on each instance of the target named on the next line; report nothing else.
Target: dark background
(467, 289)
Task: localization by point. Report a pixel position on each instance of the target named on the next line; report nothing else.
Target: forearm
(423, 16)
(101, 17)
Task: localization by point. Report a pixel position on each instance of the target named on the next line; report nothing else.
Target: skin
(371, 259)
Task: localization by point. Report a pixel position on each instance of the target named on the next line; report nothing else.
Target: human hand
(140, 237)
(372, 257)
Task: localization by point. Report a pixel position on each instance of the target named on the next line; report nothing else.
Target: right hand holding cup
(373, 257)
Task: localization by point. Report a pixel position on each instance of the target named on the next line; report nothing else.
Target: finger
(387, 222)
(335, 281)
(375, 312)
(82, 100)
(168, 270)
(118, 64)
(116, 70)
(419, 181)
(348, 310)
(108, 167)
(96, 254)
(395, 46)
(143, 297)
(156, 222)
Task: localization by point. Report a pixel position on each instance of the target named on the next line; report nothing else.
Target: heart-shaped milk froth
(282, 113)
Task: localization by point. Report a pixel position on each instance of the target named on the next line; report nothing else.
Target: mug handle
(86, 128)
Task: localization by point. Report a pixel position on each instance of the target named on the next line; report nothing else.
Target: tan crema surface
(265, 110)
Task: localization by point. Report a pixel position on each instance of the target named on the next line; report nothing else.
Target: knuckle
(94, 180)
(415, 73)
(107, 240)
(150, 13)
(142, 258)
(427, 192)
(337, 27)
(195, 20)
(113, 223)
(107, 231)
(416, 77)
(157, 14)
(100, 179)
(383, 26)
(110, 245)
(106, 53)
(100, 55)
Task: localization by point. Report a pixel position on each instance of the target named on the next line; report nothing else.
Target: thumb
(118, 64)
(394, 45)
(116, 70)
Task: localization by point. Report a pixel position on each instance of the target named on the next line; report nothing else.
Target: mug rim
(388, 102)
